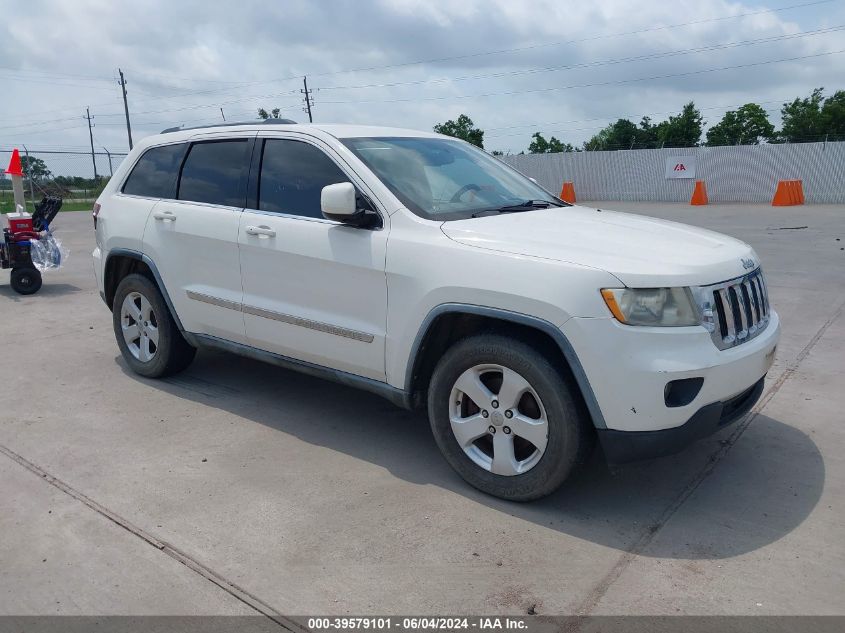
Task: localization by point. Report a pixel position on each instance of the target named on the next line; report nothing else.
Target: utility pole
(91, 136)
(122, 83)
(308, 100)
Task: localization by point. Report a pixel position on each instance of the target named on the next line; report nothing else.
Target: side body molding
(522, 319)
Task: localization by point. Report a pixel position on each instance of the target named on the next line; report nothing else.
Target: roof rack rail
(229, 124)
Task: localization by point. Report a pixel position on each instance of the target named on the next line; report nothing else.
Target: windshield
(441, 179)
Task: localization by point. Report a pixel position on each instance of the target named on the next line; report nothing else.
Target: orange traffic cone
(788, 193)
(14, 168)
(699, 194)
(567, 192)
(781, 198)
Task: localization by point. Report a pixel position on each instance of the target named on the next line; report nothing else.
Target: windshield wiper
(527, 205)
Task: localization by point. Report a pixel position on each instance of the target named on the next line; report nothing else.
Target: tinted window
(292, 176)
(154, 175)
(212, 173)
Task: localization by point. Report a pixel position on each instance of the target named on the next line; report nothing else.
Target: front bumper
(629, 446)
(628, 369)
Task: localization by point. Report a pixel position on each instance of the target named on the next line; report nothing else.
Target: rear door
(193, 239)
(314, 289)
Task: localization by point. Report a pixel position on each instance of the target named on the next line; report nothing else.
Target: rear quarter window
(155, 173)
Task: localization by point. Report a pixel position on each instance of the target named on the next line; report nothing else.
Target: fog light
(679, 393)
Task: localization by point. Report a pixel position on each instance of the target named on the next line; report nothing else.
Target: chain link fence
(78, 177)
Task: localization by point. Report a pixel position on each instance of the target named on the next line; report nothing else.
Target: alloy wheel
(139, 326)
(498, 419)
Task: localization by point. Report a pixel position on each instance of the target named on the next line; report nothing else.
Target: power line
(624, 116)
(37, 123)
(592, 85)
(575, 41)
(54, 82)
(621, 60)
(309, 100)
(49, 73)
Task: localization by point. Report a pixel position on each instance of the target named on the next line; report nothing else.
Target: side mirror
(339, 202)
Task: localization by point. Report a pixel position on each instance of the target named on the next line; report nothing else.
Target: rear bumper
(629, 446)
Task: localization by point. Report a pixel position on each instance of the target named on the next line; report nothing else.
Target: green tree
(34, 168)
(620, 135)
(539, 145)
(746, 126)
(802, 118)
(273, 114)
(557, 147)
(682, 130)
(833, 116)
(647, 134)
(462, 128)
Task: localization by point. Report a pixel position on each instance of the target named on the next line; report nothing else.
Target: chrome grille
(735, 311)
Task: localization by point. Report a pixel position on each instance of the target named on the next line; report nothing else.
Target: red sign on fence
(680, 166)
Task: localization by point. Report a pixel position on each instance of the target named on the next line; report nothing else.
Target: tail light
(95, 212)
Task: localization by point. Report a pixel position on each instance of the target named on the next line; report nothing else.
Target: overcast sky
(562, 68)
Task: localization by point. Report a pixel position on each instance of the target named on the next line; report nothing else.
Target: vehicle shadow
(751, 498)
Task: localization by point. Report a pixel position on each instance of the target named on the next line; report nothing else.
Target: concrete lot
(238, 487)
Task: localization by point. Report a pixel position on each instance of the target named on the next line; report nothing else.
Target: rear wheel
(506, 419)
(146, 333)
(25, 281)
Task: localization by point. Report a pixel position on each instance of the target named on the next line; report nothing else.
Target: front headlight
(667, 307)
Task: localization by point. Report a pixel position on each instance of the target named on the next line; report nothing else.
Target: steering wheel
(463, 190)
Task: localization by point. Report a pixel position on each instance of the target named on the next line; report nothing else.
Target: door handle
(165, 216)
(261, 231)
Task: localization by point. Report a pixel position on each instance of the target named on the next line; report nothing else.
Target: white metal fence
(744, 173)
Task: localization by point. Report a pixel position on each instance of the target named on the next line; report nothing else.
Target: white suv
(418, 267)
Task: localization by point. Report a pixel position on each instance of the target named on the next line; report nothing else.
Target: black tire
(570, 431)
(25, 281)
(173, 353)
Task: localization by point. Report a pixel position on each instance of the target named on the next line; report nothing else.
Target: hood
(640, 251)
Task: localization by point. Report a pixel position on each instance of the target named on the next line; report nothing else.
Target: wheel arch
(449, 322)
(122, 262)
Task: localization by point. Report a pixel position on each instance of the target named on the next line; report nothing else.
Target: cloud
(185, 60)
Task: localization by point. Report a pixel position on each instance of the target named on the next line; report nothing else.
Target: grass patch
(8, 206)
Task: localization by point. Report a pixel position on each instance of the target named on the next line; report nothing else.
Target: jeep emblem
(747, 263)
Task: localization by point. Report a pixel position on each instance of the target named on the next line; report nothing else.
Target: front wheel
(506, 419)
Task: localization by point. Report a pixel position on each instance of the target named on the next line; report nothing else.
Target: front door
(313, 289)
